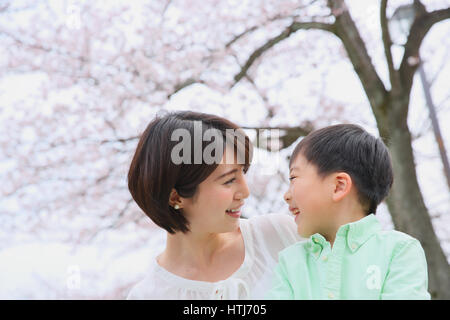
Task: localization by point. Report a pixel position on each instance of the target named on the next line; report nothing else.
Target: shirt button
(330, 295)
(353, 246)
(324, 258)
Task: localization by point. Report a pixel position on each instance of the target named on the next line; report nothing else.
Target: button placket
(317, 248)
(334, 264)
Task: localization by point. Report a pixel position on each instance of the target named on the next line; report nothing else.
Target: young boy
(338, 176)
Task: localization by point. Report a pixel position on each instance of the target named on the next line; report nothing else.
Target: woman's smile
(235, 213)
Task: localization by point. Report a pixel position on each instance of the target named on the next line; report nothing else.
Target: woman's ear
(342, 184)
(175, 199)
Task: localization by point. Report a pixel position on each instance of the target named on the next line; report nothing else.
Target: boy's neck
(343, 218)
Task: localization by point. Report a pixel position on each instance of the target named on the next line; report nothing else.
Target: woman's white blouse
(264, 236)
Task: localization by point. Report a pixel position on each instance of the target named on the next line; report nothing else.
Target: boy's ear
(342, 184)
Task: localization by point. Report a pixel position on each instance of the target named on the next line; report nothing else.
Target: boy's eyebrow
(293, 168)
(226, 173)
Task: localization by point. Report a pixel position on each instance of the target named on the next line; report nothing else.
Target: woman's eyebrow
(227, 173)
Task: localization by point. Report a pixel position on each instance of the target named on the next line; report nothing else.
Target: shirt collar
(360, 231)
(316, 244)
(356, 234)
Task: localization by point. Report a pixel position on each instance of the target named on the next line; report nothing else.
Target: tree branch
(274, 18)
(181, 86)
(295, 26)
(387, 44)
(419, 29)
(240, 35)
(356, 49)
(290, 136)
(121, 140)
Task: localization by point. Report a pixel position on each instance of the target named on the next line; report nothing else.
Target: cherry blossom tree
(80, 81)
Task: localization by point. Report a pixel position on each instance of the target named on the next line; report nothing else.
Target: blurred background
(80, 81)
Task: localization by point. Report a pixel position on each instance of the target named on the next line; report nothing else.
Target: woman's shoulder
(144, 289)
(276, 230)
(152, 286)
(268, 218)
(279, 222)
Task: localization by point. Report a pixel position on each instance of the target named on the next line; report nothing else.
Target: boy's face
(309, 198)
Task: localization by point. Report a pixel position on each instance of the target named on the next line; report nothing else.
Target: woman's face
(225, 189)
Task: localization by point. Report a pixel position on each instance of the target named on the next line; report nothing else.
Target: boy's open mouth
(295, 212)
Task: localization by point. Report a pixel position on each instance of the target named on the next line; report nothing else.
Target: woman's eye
(230, 181)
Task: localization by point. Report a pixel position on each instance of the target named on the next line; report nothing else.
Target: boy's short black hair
(153, 173)
(349, 148)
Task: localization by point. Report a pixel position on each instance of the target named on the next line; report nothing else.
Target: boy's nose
(287, 196)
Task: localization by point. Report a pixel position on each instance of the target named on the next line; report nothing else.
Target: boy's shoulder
(389, 239)
(395, 236)
(396, 240)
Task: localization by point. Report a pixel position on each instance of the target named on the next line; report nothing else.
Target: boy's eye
(291, 178)
(230, 181)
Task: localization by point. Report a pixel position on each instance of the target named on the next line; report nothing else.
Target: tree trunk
(390, 108)
(406, 203)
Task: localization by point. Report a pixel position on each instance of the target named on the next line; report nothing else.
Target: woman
(210, 252)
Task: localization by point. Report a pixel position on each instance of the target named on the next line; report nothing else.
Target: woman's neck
(193, 250)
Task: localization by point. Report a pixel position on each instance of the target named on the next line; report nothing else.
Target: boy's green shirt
(364, 263)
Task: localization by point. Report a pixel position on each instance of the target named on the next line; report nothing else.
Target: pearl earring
(176, 207)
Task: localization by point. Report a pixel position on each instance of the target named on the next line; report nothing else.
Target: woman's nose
(244, 192)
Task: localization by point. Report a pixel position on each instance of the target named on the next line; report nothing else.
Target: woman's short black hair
(153, 172)
(351, 149)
